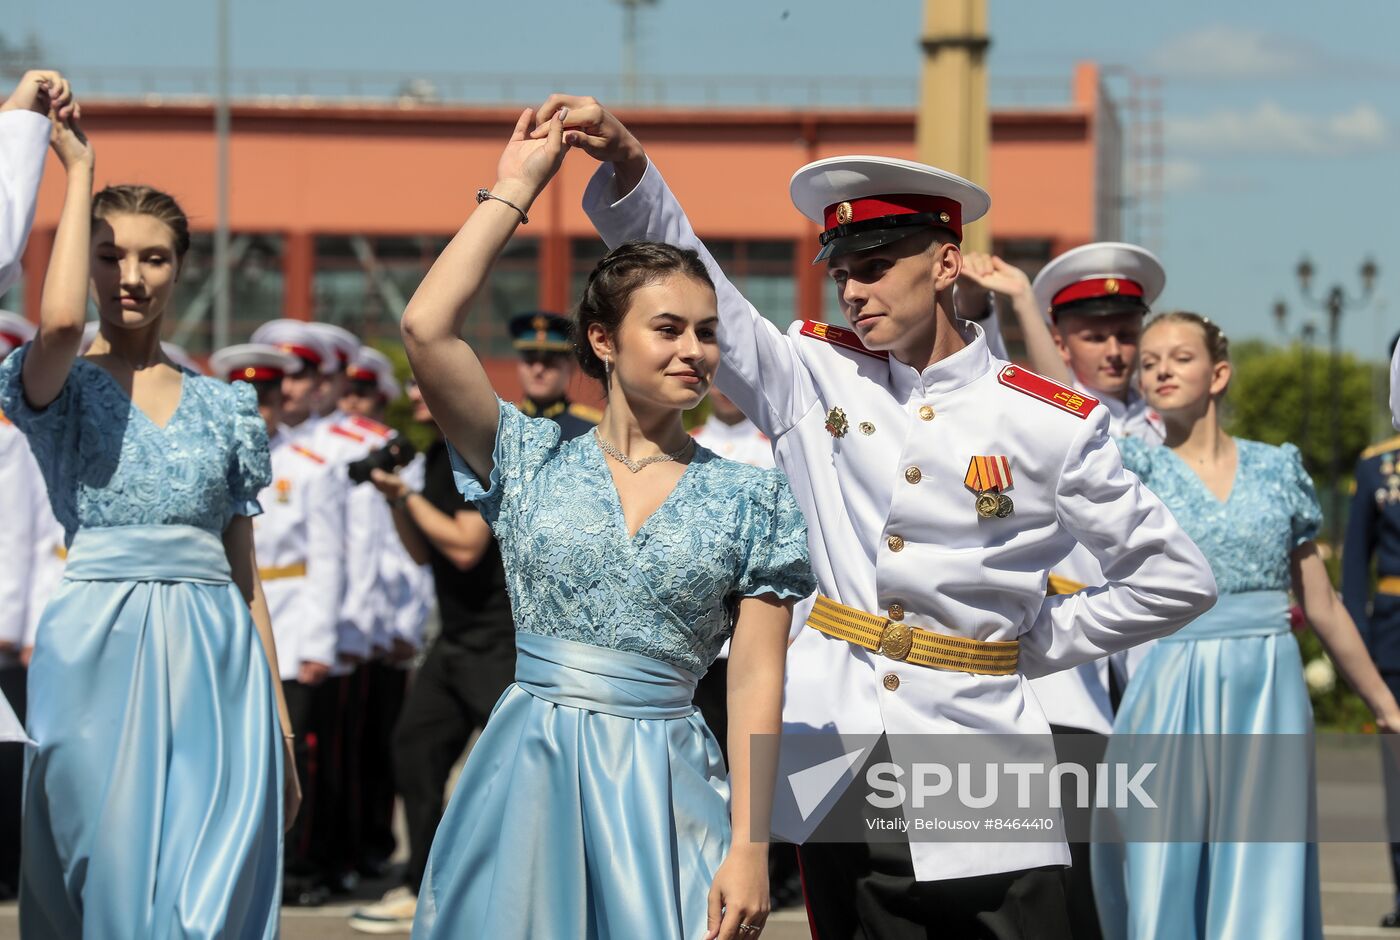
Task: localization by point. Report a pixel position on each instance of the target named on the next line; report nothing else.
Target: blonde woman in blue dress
(154, 798)
(1251, 509)
(594, 804)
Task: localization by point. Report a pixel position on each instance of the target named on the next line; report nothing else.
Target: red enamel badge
(1052, 393)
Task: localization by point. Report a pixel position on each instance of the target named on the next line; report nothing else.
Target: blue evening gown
(595, 803)
(153, 796)
(1234, 671)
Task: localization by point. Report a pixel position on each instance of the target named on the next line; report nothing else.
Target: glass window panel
(256, 289)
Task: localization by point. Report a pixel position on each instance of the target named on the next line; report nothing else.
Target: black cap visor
(861, 236)
(1099, 307)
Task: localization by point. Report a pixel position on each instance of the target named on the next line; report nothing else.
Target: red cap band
(947, 211)
(255, 374)
(14, 339)
(1097, 287)
(302, 352)
(361, 374)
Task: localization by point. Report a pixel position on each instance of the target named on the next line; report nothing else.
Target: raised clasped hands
(531, 158)
(42, 91)
(590, 127)
(68, 141)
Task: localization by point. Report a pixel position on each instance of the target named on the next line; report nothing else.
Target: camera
(388, 458)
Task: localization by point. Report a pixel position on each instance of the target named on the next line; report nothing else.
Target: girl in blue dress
(154, 799)
(1251, 509)
(595, 804)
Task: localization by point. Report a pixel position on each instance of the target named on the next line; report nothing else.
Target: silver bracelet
(484, 194)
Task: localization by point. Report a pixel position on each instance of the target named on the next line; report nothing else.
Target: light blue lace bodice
(727, 531)
(106, 463)
(1271, 510)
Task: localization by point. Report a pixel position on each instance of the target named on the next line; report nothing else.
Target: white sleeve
(1156, 578)
(1395, 388)
(325, 564)
(24, 141)
(759, 369)
(359, 610)
(21, 487)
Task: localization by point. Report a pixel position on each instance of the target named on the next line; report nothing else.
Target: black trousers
(14, 684)
(385, 686)
(451, 697)
(712, 698)
(313, 846)
(867, 891)
(1390, 775)
(1085, 748)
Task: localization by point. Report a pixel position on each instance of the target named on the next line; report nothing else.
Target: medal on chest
(283, 486)
(987, 477)
(836, 423)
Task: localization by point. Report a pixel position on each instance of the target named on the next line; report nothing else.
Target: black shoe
(347, 882)
(788, 892)
(1391, 920)
(305, 895)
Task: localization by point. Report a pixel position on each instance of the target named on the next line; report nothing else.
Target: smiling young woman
(156, 795)
(594, 803)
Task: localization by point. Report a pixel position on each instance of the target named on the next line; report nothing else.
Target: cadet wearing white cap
(940, 484)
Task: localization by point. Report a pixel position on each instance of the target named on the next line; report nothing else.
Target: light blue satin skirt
(1235, 670)
(153, 800)
(594, 806)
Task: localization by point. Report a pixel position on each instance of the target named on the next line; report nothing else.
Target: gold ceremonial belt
(1058, 584)
(1389, 585)
(295, 570)
(915, 645)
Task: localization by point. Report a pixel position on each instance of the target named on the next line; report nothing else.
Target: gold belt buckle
(896, 640)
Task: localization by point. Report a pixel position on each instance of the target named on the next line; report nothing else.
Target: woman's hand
(70, 144)
(597, 132)
(533, 155)
(739, 896)
(42, 91)
(291, 784)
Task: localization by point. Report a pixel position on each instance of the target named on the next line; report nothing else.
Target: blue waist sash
(147, 553)
(614, 682)
(1248, 613)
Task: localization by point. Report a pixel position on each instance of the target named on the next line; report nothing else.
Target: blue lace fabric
(1248, 539)
(106, 464)
(727, 531)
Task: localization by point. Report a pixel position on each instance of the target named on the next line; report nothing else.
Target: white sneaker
(391, 914)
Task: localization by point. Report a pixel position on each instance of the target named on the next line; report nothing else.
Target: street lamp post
(1334, 304)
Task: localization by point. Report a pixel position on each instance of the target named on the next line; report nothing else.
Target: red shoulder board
(839, 336)
(1052, 393)
(346, 432)
(371, 425)
(308, 452)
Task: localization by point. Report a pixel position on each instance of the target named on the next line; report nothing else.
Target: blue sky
(1281, 119)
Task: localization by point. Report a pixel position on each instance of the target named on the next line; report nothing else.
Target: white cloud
(1270, 128)
(1181, 175)
(1221, 51)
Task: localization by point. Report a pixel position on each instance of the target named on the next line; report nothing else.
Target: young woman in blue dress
(156, 795)
(594, 804)
(1236, 670)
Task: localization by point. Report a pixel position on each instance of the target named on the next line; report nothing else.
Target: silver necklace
(634, 465)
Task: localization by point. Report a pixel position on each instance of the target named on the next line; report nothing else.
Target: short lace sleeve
(45, 427)
(522, 445)
(1301, 496)
(250, 467)
(775, 533)
(1136, 457)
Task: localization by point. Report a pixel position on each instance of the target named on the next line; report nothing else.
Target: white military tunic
(1395, 388)
(882, 535)
(409, 592)
(24, 142)
(302, 526)
(741, 441)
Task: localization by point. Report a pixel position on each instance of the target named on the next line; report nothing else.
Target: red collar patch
(1052, 393)
(838, 336)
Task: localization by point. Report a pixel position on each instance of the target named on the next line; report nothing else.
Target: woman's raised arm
(450, 374)
(63, 306)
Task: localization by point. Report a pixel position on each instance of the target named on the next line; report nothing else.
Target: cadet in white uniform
(938, 495)
(31, 543)
(300, 540)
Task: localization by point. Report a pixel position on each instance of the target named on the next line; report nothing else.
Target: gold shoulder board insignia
(838, 336)
(1050, 392)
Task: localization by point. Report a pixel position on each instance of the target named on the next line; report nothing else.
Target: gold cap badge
(843, 213)
(1111, 285)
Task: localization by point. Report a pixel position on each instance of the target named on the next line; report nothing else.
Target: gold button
(866, 428)
(891, 681)
(913, 475)
(926, 412)
(895, 543)
(895, 612)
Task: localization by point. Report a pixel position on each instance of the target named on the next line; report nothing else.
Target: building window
(764, 273)
(256, 287)
(363, 283)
